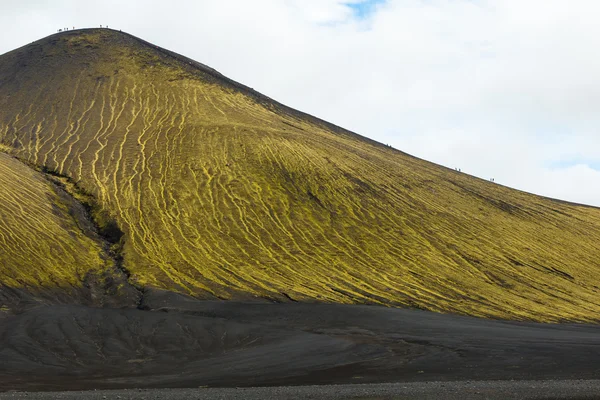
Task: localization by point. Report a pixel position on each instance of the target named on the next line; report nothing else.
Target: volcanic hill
(126, 167)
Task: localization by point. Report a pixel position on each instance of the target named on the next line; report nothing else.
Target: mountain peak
(199, 185)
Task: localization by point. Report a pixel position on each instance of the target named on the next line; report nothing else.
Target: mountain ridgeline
(126, 167)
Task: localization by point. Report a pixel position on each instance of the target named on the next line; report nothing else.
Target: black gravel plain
(463, 390)
(173, 341)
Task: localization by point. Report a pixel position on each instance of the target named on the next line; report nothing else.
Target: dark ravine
(113, 288)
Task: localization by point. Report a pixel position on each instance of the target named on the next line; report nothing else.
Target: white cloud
(504, 88)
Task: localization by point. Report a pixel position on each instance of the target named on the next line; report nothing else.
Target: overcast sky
(503, 89)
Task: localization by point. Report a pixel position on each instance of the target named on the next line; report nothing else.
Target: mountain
(127, 168)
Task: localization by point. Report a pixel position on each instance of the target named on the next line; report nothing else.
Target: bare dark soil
(175, 341)
(457, 390)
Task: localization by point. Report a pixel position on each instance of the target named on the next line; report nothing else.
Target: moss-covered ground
(41, 244)
(222, 192)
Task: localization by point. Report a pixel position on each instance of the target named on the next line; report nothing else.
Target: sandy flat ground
(463, 390)
(177, 342)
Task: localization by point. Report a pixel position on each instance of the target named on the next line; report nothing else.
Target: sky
(503, 89)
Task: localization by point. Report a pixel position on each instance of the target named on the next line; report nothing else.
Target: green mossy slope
(223, 192)
(42, 247)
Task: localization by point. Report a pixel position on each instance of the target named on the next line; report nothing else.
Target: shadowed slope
(222, 192)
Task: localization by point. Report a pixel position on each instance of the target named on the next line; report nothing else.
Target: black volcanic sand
(470, 390)
(179, 342)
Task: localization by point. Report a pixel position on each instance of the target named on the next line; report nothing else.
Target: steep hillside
(49, 249)
(41, 244)
(222, 192)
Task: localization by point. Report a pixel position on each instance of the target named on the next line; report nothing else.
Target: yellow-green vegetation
(222, 192)
(41, 245)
